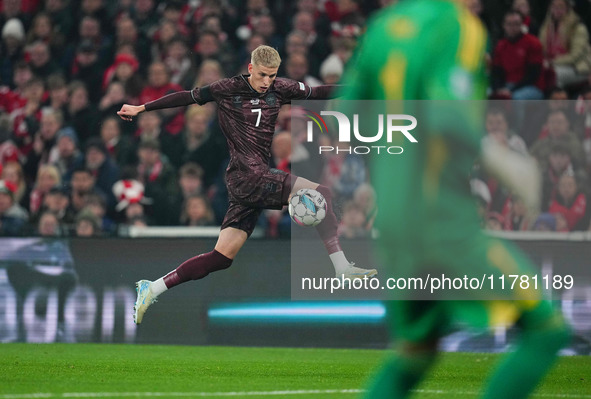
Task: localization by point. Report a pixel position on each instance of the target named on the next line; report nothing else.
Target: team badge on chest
(271, 100)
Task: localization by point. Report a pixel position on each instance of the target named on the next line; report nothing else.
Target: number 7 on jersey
(260, 112)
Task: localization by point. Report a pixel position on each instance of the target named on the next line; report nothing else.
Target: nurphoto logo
(344, 132)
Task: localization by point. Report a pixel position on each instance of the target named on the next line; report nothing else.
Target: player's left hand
(127, 112)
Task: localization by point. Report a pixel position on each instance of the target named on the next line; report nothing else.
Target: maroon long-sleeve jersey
(247, 117)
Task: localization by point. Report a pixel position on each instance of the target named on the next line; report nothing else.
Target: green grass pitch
(115, 371)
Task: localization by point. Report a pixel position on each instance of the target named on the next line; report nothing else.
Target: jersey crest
(271, 100)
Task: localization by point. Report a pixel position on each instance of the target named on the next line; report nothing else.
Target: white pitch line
(178, 394)
(250, 393)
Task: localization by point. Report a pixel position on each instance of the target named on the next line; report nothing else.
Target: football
(307, 207)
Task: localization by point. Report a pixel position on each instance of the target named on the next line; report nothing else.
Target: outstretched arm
(178, 99)
(324, 92)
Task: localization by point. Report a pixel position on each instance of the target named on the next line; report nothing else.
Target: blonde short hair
(265, 56)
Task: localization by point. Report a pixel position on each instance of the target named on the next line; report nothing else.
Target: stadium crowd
(70, 166)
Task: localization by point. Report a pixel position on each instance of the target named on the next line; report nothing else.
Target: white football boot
(353, 272)
(143, 301)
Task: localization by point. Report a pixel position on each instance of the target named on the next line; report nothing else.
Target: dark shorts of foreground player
(251, 193)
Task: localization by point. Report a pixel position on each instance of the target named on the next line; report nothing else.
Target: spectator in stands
(180, 63)
(57, 201)
(158, 178)
(87, 224)
(497, 129)
(159, 85)
(28, 118)
(12, 94)
(127, 33)
(120, 147)
(88, 69)
(343, 172)
(90, 30)
(44, 150)
(318, 46)
(13, 9)
(203, 145)
(557, 164)
(115, 96)
(321, 20)
(58, 92)
(47, 177)
(145, 16)
(209, 72)
(68, 153)
(97, 205)
(42, 64)
(13, 217)
(571, 202)
(102, 167)
(515, 215)
(537, 115)
(173, 12)
(124, 70)
(167, 31)
(49, 225)
(559, 131)
(348, 19)
(97, 10)
(11, 48)
(197, 212)
(517, 62)
(150, 128)
(353, 223)
(43, 30)
(80, 113)
(213, 23)
(8, 150)
(331, 70)
(190, 182)
(494, 221)
(264, 25)
(296, 68)
(12, 173)
(208, 47)
(61, 16)
(566, 44)
(530, 25)
(82, 185)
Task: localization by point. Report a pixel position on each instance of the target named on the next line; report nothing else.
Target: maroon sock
(328, 228)
(197, 267)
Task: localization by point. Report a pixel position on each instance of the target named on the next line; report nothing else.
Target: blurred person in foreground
(434, 50)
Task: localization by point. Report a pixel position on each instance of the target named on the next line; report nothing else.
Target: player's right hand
(127, 112)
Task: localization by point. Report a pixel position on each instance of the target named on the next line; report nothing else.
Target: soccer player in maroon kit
(248, 106)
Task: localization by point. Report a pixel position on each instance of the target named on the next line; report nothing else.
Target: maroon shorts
(250, 193)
